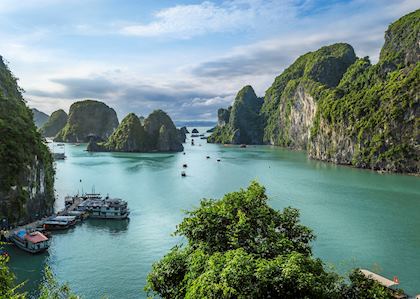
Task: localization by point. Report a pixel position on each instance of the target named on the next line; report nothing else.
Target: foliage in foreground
(239, 247)
(49, 289)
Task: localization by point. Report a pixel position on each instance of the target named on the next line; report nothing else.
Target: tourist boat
(33, 242)
(59, 223)
(108, 208)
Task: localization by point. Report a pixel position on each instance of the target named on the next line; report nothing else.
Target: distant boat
(207, 157)
(184, 165)
(242, 145)
(218, 160)
(183, 174)
(32, 242)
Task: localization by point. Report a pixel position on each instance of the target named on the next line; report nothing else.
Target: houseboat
(107, 208)
(33, 242)
(59, 222)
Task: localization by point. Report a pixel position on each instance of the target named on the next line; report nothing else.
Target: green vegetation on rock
(240, 247)
(342, 109)
(27, 173)
(157, 134)
(55, 123)
(88, 119)
(242, 123)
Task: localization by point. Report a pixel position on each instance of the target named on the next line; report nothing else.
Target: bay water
(361, 218)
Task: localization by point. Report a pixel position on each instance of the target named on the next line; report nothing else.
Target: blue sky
(185, 57)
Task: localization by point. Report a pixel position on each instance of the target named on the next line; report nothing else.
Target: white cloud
(186, 21)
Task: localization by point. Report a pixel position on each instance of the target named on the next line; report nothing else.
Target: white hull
(23, 246)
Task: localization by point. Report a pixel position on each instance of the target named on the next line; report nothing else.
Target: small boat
(207, 157)
(59, 156)
(183, 153)
(184, 165)
(183, 174)
(218, 160)
(60, 144)
(32, 242)
(60, 223)
(242, 146)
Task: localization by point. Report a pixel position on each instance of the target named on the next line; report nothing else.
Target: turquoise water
(361, 218)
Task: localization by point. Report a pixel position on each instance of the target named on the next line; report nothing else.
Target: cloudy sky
(186, 57)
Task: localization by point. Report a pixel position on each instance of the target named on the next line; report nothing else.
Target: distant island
(88, 120)
(338, 107)
(157, 134)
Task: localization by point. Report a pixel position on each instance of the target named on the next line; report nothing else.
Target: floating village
(36, 237)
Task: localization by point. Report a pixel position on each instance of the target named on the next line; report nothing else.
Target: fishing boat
(32, 242)
(59, 223)
(107, 208)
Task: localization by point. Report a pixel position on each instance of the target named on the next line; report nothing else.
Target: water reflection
(110, 226)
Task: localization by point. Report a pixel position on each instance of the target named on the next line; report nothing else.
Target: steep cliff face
(290, 103)
(55, 123)
(88, 119)
(26, 165)
(371, 119)
(40, 118)
(344, 110)
(242, 123)
(157, 134)
(162, 132)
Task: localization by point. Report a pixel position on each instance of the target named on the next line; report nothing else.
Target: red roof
(36, 237)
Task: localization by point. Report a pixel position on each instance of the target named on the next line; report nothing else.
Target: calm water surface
(361, 218)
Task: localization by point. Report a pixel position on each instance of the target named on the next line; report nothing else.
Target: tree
(51, 289)
(8, 289)
(239, 247)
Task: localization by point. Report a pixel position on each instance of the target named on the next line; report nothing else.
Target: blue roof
(21, 234)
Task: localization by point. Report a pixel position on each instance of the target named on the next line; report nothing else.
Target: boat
(207, 157)
(242, 146)
(183, 174)
(107, 208)
(59, 156)
(218, 160)
(184, 165)
(32, 242)
(59, 222)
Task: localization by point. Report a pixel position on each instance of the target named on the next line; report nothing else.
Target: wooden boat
(32, 242)
(60, 223)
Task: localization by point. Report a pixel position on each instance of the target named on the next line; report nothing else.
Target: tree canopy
(240, 247)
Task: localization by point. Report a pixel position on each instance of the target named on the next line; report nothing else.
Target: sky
(188, 58)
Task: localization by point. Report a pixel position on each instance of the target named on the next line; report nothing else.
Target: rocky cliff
(157, 134)
(40, 118)
(241, 123)
(345, 110)
(26, 165)
(87, 120)
(55, 123)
